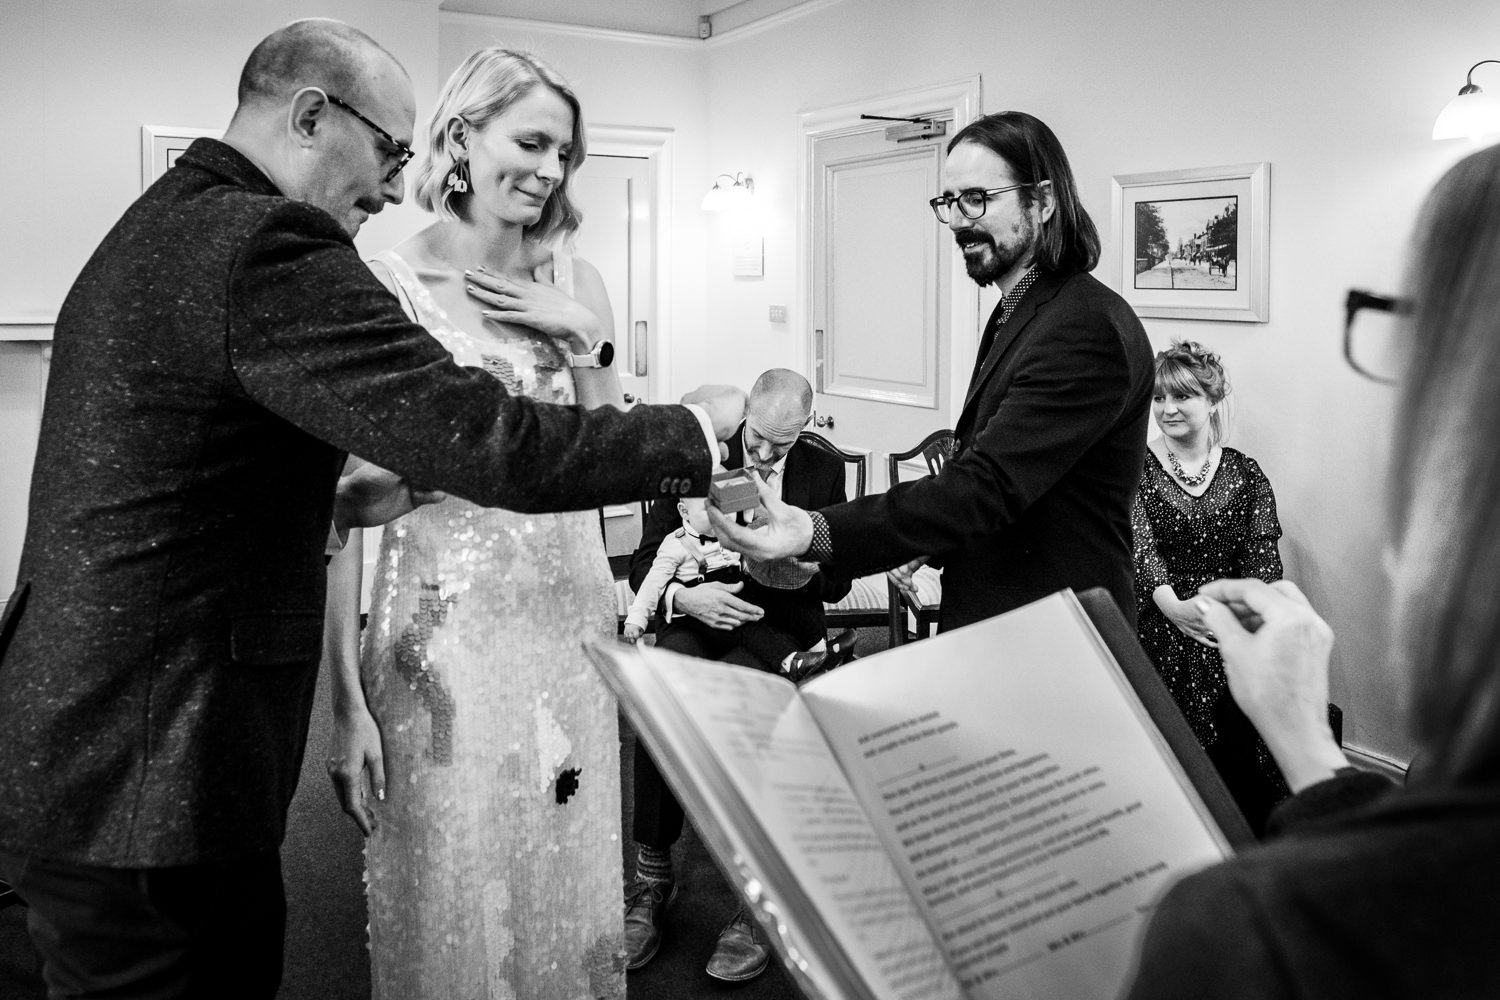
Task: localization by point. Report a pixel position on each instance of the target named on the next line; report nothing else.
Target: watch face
(605, 352)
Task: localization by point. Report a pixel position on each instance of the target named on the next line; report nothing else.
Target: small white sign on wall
(750, 257)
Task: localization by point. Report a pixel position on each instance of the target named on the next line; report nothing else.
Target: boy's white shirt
(682, 557)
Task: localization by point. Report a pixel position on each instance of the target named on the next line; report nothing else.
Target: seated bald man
(718, 619)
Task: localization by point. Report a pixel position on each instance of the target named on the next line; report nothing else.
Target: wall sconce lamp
(722, 196)
(1471, 114)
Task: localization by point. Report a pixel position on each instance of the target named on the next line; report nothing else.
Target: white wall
(1338, 96)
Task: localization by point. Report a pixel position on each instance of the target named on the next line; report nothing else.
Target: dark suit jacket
(218, 355)
(811, 478)
(1051, 440)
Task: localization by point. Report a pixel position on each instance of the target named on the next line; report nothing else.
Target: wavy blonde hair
(483, 87)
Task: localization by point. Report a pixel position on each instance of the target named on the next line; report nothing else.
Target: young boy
(689, 557)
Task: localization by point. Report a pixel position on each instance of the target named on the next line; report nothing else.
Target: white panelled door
(881, 302)
(616, 196)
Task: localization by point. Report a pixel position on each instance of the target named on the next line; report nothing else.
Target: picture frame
(1193, 244)
(161, 145)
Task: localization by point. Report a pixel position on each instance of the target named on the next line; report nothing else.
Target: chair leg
(896, 615)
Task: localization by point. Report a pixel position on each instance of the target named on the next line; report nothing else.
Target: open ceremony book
(989, 813)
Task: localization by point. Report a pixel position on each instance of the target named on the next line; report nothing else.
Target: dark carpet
(323, 868)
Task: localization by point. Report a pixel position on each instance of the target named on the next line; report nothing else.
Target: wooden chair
(867, 604)
(858, 460)
(935, 449)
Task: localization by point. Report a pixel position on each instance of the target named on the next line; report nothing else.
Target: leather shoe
(806, 666)
(742, 952)
(646, 903)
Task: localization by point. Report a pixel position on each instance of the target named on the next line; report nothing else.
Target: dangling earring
(458, 176)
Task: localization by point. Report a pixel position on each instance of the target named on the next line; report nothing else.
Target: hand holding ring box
(734, 492)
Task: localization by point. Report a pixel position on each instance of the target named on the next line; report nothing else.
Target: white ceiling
(658, 17)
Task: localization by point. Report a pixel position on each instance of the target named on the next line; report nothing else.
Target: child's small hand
(632, 633)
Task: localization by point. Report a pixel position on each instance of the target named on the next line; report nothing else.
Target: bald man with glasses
(219, 354)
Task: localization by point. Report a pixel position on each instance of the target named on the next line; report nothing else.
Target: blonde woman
(475, 746)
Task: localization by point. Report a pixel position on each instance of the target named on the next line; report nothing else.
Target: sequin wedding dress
(495, 869)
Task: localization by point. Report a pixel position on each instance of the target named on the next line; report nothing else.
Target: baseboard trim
(1369, 760)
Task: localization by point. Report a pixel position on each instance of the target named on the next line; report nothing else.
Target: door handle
(638, 363)
(819, 421)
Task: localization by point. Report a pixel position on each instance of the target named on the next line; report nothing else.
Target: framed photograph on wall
(1193, 243)
(161, 145)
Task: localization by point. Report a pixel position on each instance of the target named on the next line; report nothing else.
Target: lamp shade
(725, 196)
(1470, 115)
(1473, 114)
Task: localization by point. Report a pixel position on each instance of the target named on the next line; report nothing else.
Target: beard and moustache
(987, 268)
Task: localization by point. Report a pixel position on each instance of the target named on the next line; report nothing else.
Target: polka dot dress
(1186, 541)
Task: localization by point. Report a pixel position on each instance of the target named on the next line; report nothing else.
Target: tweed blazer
(810, 478)
(221, 351)
(1051, 439)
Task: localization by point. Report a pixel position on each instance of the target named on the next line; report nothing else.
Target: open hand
(540, 305)
(369, 495)
(1185, 615)
(356, 765)
(725, 406)
(904, 577)
(715, 605)
(779, 530)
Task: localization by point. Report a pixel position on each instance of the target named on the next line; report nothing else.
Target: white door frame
(961, 97)
(656, 145)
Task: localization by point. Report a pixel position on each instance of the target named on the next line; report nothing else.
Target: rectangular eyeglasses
(404, 152)
(1373, 348)
(972, 203)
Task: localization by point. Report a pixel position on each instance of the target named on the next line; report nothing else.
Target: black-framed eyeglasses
(1371, 356)
(972, 203)
(403, 151)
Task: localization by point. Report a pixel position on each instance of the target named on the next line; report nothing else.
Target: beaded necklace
(1187, 480)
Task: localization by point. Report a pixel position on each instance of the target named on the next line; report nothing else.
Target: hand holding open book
(990, 813)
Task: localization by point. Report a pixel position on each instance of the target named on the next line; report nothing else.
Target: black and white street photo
(1187, 243)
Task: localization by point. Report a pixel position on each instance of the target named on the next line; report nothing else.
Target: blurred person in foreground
(1371, 891)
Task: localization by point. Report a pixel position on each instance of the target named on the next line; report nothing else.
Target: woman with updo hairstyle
(1204, 511)
(473, 743)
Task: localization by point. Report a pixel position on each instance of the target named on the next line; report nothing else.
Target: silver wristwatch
(600, 357)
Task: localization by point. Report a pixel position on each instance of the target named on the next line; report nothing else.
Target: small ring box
(734, 492)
